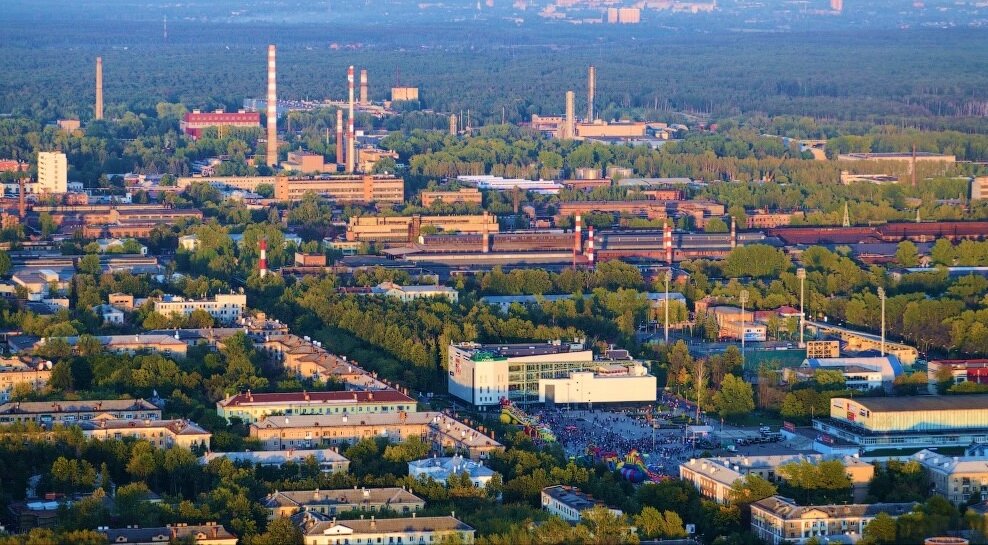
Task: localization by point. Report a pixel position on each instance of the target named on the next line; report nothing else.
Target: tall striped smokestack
(577, 237)
(99, 87)
(591, 91)
(590, 247)
(667, 240)
(262, 263)
(734, 234)
(569, 129)
(272, 155)
(485, 239)
(339, 137)
(363, 87)
(351, 147)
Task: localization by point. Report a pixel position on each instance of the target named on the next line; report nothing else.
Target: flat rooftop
(923, 403)
(520, 350)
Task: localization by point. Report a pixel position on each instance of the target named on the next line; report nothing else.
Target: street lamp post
(743, 297)
(881, 295)
(668, 278)
(801, 274)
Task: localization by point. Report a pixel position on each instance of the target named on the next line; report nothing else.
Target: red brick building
(193, 123)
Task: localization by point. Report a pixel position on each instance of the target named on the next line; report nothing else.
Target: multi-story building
(367, 158)
(957, 478)
(315, 431)
(306, 162)
(49, 413)
(648, 208)
(971, 370)
(53, 172)
(615, 383)
(410, 293)
(250, 407)
(441, 469)
(209, 533)
(907, 422)
(569, 503)
(329, 460)
(483, 375)
(777, 520)
(342, 188)
(468, 195)
(195, 121)
(399, 94)
(319, 531)
(624, 15)
(15, 372)
(761, 219)
(864, 373)
(921, 156)
(334, 502)
(160, 433)
(713, 477)
(979, 188)
(225, 308)
(408, 228)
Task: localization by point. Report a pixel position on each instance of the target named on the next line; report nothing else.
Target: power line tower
(847, 216)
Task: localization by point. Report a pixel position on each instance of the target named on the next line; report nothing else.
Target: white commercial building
(53, 173)
(441, 469)
(225, 308)
(409, 293)
(860, 373)
(613, 383)
(498, 183)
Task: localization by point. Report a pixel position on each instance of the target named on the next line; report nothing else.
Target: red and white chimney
(577, 237)
(339, 137)
(262, 263)
(667, 240)
(351, 157)
(272, 107)
(590, 247)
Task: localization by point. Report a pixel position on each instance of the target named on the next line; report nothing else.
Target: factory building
(193, 123)
(408, 228)
(468, 195)
(342, 188)
(889, 232)
(913, 422)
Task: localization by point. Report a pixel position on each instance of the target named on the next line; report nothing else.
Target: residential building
(979, 188)
(319, 531)
(49, 413)
(109, 314)
(195, 121)
(778, 520)
(822, 349)
(970, 370)
(569, 503)
(160, 433)
(14, 372)
(53, 172)
(468, 195)
(334, 502)
(250, 407)
(957, 478)
(329, 460)
(133, 344)
(209, 533)
(713, 477)
(224, 308)
(441, 469)
(315, 431)
(400, 229)
(410, 293)
(907, 422)
(483, 375)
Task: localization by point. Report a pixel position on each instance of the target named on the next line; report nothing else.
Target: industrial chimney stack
(667, 240)
(339, 138)
(590, 238)
(569, 129)
(363, 88)
(21, 199)
(99, 87)
(734, 233)
(577, 237)
(272, 155)
(453, 128)
(351, 159)
(591, 91)
(262, 263)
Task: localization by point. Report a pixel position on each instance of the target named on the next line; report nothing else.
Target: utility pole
(881, 295)
(743, 297)
(801, 275)
(668, 278)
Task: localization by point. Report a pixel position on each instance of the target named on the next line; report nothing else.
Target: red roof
(379, 396)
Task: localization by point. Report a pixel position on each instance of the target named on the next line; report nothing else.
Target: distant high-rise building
(52, 172)
(272, 104)
(453, 127)
(364, 91)
(99, 88)
(837, 5)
